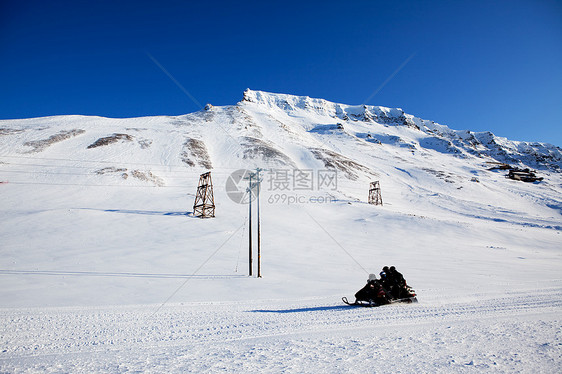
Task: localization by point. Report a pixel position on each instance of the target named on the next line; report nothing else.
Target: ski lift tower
(204, 205)
(375, 197)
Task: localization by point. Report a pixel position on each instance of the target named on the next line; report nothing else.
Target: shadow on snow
(144, 212)
(117, 274)
(301, 310)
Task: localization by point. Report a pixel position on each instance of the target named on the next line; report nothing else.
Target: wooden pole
(250, 234)
(259, 230)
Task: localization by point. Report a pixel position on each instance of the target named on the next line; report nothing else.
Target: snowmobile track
(507, 334)
(71, 330)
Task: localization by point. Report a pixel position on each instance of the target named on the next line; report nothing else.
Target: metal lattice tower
(204, 205)
(375, 197)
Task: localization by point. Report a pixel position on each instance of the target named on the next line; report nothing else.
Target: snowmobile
(374, 294)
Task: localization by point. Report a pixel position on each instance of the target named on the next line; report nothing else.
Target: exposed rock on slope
(110, 139)
(40, 145)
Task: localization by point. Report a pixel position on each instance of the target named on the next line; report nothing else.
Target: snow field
(519, 332)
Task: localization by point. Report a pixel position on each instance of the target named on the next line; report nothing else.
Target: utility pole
(259, 229)
(250, 233)
(252, 185)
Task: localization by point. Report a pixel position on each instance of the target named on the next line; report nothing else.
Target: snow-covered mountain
(96, 216)
(277, 132)
(372, 123)
(266, 130)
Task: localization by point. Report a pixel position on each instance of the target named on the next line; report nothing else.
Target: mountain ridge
(481, 144)
(272, 130)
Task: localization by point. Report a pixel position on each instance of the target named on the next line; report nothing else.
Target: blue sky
(478, 65)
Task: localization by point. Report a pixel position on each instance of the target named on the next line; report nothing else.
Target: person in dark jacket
(389, 282)
(397, 276)
(399, 285)
(373, 292)
(386, 282)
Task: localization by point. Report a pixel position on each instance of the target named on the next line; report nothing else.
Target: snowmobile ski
(358, 303)
(407, 300)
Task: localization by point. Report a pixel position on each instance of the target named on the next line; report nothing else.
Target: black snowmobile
(382, 292)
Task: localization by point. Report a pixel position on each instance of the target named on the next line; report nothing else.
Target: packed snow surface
(104, 268)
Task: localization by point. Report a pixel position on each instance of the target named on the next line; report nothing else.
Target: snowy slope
(102, 262)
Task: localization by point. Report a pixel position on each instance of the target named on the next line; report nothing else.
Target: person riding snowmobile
(373, 292)
(386, 282)
(397, 276)
(400, 288)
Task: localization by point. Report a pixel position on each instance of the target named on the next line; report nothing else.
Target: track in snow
(71, 337)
